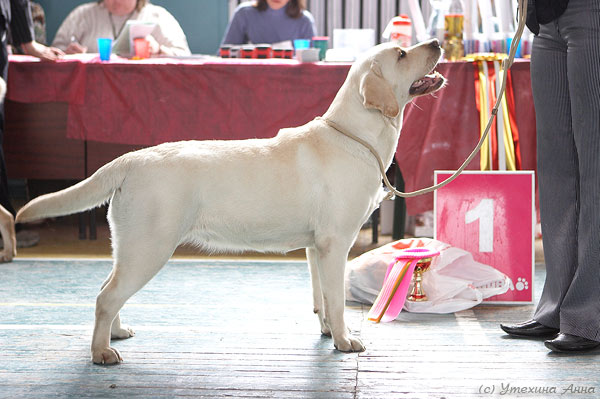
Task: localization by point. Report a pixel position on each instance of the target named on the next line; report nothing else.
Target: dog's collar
(364, 143)
(368, 146)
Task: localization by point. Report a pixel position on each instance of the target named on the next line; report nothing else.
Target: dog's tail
(89, 193)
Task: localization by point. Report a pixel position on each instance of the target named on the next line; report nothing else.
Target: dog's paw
(349, 344)
(122, 333)
(6, 256)
(106, 356)
(325, 329)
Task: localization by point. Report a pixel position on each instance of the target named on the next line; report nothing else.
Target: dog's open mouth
(427, 84)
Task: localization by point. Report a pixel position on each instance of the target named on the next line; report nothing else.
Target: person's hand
(76, 48)
(44, 53)
(153, 44)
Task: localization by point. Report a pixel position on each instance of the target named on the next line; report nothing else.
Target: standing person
(81, 29)
(565, 79)
(269, 21)
(39, 27)
(15, 15)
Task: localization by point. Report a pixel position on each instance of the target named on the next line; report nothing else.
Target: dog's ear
(377, 93)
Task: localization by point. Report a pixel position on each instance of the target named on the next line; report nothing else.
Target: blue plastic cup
(300, 44)
(508, 44)
(104, 48)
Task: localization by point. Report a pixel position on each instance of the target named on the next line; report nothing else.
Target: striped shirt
(16, 16)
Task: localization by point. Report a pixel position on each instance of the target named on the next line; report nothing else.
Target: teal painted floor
(215, 329)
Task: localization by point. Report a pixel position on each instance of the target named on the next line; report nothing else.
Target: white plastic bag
(454, 281)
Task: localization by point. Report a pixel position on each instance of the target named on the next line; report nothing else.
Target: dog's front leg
(331, 264)
(318, 308)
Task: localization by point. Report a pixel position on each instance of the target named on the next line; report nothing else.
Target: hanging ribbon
(502, 152)
(509, 113)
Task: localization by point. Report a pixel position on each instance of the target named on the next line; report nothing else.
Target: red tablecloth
(153, 101)
(157, 100)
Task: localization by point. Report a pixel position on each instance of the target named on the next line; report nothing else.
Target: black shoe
(570, 343)
(530, 328)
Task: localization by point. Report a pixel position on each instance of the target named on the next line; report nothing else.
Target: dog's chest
(257, 238)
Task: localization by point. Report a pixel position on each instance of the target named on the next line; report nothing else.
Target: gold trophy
(417, 294)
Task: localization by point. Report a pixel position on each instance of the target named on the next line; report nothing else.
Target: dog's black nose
(434, 43)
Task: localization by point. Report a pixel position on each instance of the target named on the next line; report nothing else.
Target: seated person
(270, 21)
(107, 18)
(39, 22)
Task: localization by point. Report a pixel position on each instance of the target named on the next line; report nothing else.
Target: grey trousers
(565, 78)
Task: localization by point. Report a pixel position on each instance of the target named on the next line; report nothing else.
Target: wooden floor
(214, 329)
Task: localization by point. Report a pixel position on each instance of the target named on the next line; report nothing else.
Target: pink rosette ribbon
(399, 273)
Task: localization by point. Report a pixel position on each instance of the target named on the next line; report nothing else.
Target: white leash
(506, 64)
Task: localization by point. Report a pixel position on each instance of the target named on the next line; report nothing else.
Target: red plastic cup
(142, 47)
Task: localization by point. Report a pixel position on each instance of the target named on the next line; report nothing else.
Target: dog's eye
(402, 54)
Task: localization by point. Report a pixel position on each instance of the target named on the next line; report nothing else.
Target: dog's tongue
(426, 84)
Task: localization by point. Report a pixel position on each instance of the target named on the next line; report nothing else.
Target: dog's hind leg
(134, 266)
(120, 331)
(117, 330)
(332, 256)
(313, 259)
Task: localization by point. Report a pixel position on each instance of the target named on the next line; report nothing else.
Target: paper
(353, 41)
(123, 45)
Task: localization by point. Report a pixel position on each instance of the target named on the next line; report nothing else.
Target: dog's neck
(381, 132)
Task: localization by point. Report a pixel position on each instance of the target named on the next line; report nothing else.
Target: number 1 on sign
(484, 212)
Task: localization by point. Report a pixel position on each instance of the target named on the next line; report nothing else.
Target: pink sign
(491, 215)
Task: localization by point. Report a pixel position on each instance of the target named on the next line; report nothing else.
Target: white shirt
(87, 22)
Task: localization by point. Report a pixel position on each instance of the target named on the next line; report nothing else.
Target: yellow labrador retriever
(309, 187)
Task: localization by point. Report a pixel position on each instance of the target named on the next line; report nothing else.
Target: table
(66, 119)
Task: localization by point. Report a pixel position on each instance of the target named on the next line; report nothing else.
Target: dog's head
(390, 76)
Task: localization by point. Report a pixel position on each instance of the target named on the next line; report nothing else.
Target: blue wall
(203, 21)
